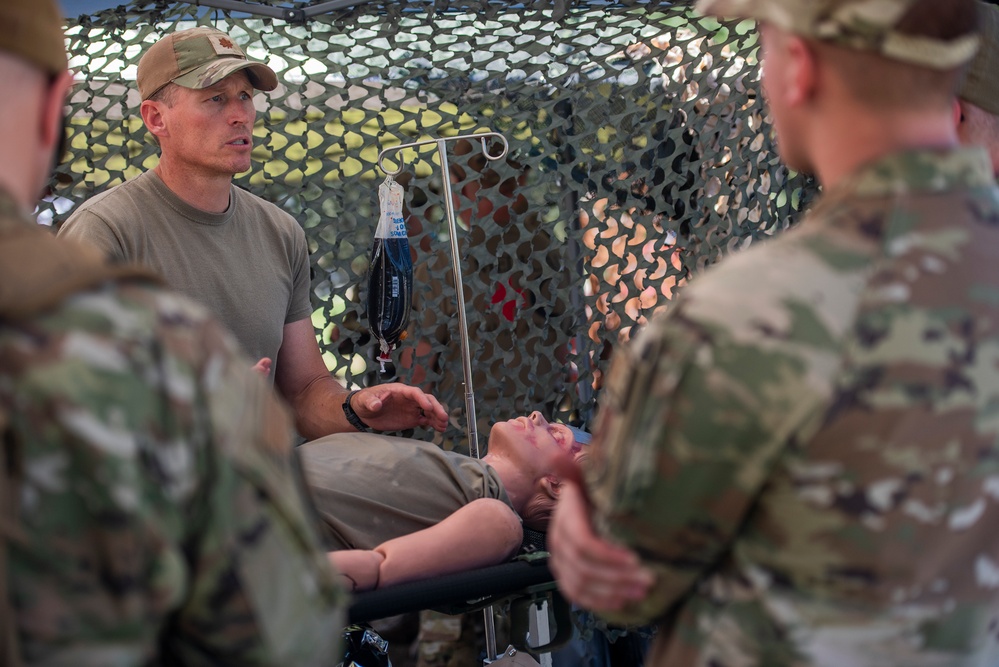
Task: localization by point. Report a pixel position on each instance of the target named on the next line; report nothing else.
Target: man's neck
(517, 487)
(848, 141)
(205, 192)
(19, 178)
(17, 194)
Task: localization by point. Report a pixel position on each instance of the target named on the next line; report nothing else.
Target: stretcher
(540, 618)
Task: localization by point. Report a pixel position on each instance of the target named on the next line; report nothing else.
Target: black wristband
(352, 417)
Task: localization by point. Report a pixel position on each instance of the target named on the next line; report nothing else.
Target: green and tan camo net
(639, 153)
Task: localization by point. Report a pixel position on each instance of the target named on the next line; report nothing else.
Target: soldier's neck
(208, 192)
(848, 141)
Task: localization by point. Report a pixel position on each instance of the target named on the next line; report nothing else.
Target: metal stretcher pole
(466, 360)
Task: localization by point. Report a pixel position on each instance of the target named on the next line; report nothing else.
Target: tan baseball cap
(981, 88)
(197, 58)
(867, 25)
(32, 30)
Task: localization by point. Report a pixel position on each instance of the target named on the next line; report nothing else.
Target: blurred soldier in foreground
(977, 108)
(150, 511)
(802, 458)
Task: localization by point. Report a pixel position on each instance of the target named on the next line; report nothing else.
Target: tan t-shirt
(370, 488)
(248, 265)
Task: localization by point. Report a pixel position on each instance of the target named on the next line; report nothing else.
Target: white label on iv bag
(391, 223)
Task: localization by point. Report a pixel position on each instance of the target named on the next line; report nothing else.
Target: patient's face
(533, 438)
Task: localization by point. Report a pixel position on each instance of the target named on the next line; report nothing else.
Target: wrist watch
(352, 417)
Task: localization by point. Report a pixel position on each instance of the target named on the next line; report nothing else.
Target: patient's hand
(358, 566)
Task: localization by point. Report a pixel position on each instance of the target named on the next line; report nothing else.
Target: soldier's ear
(551, 486)
(802, 76)
(152, 116)
(958, 110)
(52, 129)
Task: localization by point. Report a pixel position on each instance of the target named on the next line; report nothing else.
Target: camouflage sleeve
(263, 591)
(690, 421)
(162, 521)
(91, 228)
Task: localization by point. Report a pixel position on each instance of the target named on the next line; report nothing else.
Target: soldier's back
(815, 422)
(159, 516)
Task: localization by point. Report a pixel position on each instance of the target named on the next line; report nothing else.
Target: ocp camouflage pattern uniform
(161, 520)
(805, 449)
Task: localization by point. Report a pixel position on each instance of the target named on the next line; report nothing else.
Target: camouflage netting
(640, 153)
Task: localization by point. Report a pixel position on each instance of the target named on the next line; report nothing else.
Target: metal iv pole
(466, 361)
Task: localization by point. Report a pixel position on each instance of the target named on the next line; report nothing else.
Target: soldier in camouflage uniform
(978, 104)
(799, 463)
(150, 511)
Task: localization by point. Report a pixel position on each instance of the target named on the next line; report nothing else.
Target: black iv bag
(390, 277)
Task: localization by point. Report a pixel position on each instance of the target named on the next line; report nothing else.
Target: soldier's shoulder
(135, 319)
(131, 306)
(107, 205)
(275, 215)
(767, 287)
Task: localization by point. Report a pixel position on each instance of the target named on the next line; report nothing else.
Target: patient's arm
(358, 567)
(484, 532)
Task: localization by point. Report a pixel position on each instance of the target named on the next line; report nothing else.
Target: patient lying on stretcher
(398, 510)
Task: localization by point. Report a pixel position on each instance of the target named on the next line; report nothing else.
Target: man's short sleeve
(91, 228)
(300, 305)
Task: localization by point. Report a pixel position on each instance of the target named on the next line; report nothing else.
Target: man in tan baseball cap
(787, 467)
(198, 58)
(244, 258)
(977, 109)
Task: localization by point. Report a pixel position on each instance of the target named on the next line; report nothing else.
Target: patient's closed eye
(559, 433)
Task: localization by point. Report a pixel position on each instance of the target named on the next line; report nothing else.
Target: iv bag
(390, 278)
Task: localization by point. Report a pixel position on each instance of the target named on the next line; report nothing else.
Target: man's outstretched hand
(395, 407)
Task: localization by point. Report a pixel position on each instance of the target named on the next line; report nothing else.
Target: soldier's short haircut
(165, 95)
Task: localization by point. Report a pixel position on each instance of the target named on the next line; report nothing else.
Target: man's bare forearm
(318, 408)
